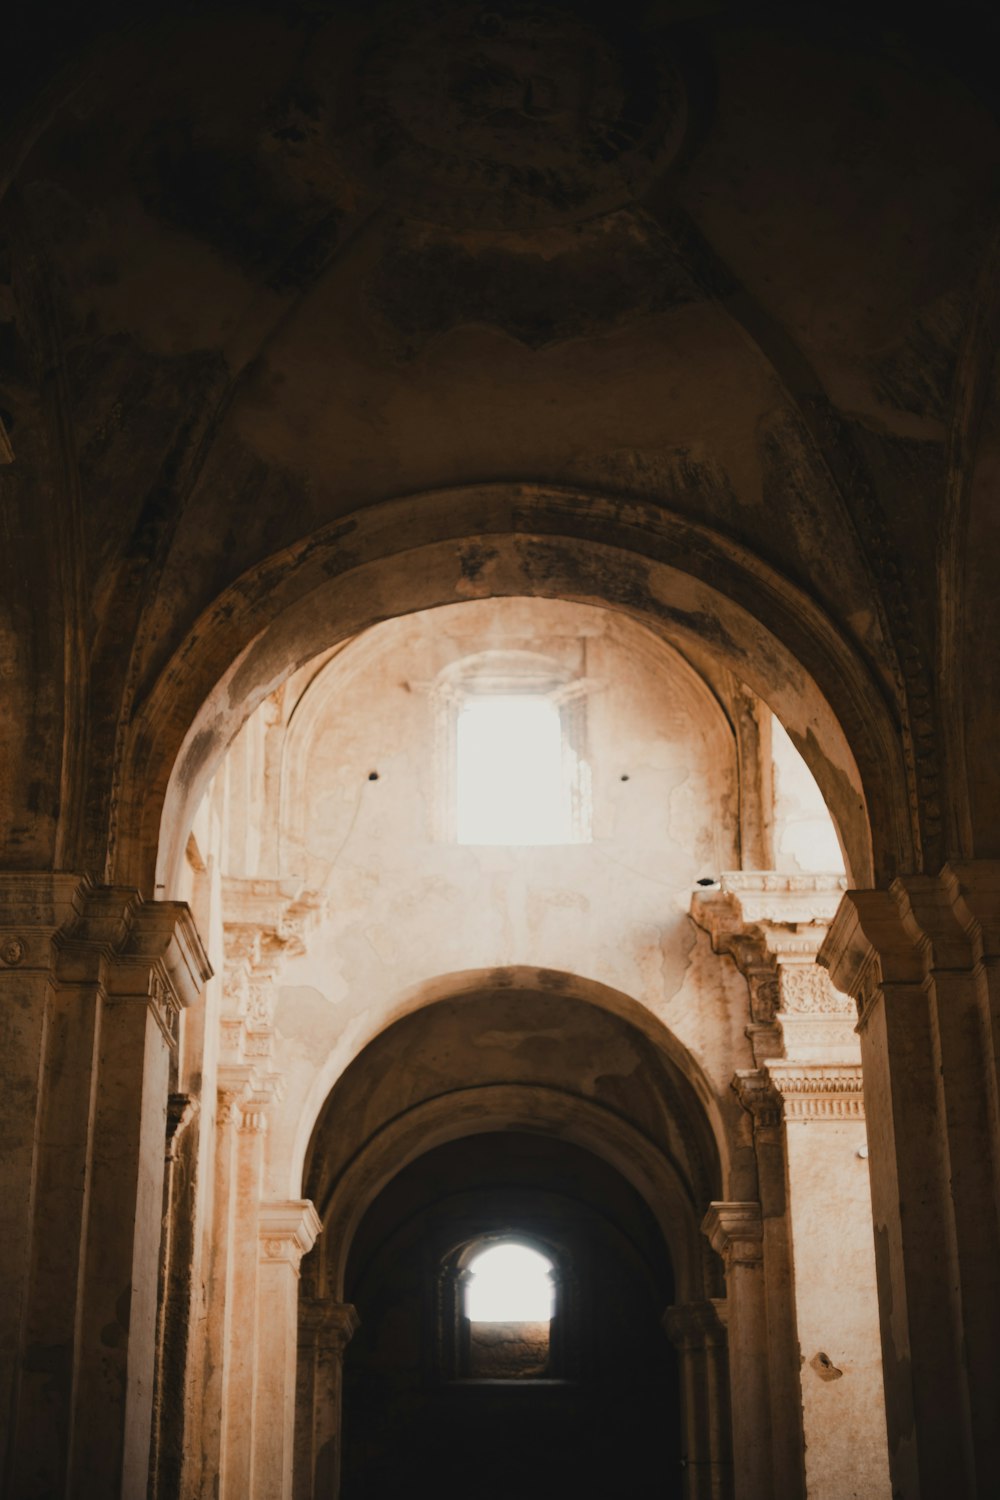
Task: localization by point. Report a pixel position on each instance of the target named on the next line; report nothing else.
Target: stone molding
(818, 1091)
(697, 1325)
(82, 933)
(287, 1231)
(266, 925)
(772, 925)
(922, 926)
(756, 1093)
(736, 1232)
(182, 1111)
(327, 1325)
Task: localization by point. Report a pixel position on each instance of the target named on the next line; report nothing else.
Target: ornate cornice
(772, 926)
(818, 1091)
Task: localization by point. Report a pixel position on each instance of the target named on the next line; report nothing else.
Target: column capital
(287, 1231)
(754, 1089)
(974, 888)
(736, 1232)
(921, 926)
(696, 1325)
(327, 1324)
(818, 1091)
(868, 946)
(85, 933)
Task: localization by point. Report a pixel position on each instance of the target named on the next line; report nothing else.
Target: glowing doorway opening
(510, 1283)
(510, 779)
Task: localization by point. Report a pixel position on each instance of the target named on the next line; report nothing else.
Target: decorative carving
(513, 116)
(806, 989)
(818, 1091)
(164, 1005)
(12, 951)
(753, 1089)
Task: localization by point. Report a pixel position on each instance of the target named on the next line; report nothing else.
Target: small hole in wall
(373, 776)
(707, 880)
(624, 778)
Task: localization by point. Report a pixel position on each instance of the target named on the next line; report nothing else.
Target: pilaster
(287, 1231)
(698, 1332)
(812, 1183)
(736, 1233)
(95, 979)
(326, 1328)
(920, 958)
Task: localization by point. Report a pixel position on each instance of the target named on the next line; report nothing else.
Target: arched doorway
(498, 1129)
(597, 1412)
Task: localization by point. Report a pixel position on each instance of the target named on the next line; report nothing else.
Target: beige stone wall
(402, 907)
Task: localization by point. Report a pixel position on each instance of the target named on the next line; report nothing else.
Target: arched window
(512, 751)
(504, 1311)
(509, 1283)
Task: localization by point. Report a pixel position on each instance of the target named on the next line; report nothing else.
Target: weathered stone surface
(317, 316)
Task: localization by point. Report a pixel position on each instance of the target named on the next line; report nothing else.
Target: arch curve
(470, 983)
(685, 582)
(478, 1111)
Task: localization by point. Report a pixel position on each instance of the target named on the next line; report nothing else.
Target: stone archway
(503, 1092)
(683, 581)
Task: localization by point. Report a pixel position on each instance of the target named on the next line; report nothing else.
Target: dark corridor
(605, 1423)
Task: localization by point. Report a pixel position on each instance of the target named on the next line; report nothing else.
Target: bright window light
(509, 771)
(509, 1284)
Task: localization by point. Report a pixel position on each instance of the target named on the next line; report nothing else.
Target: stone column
(174, 1316)
(287, 1232)
(735, 1232)
(264, 926)
(241, 1361)
(325, 1329)
(921, 960)
(49, 1048)
(93, 1023)
(698, 1332)
(763, 1104)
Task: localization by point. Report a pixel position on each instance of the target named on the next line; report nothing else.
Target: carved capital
(327, 1325)
(736, 1232)
(106, 936)
(287, 1231)
(697, 1325)
(754, 1090)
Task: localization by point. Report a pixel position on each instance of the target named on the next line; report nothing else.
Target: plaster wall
(841, 1353)
(403, 906)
